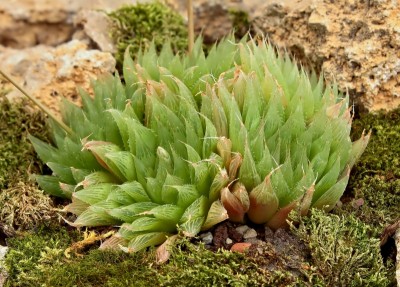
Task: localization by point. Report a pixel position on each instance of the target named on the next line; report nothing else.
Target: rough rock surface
(26, 23)
(213, 19)
(356, 43)
(94, 26)
(50, 73)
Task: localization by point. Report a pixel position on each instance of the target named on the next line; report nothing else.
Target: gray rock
(95, 26)
(3, 272)
(242, 229)
(207, 238)
(3, 252)
(250, 233)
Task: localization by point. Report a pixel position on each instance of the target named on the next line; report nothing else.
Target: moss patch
(29, 253)
(376, 177)
(341, 253)
(18, 158)
(240, 22)
(23, 206)
(39, 257)
(344, 251)
(139, 25)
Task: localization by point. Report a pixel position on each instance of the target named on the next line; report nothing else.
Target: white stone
(250, 233)
(3, 252)
(229, 241)
(207, 238)
(242, 229)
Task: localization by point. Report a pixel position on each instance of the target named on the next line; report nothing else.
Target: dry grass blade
(36, 102)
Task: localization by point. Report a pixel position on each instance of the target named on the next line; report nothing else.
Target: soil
(272, 250)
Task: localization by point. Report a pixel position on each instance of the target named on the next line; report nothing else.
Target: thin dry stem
(36, 102)
(190, 25)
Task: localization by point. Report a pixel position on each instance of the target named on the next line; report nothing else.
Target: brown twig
(190, 25)
(37, 102)
(397, 242)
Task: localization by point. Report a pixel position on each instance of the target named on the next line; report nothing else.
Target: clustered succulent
(189, 141)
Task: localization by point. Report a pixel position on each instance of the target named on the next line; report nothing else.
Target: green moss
(138, 25)
(24, 206)
(241, 23)
(193, 265)
(343, 251)
(376, 177)
(38, 259)
(28, 254)
(18, 158)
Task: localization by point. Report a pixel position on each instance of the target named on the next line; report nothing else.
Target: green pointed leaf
(95, 216)
(328, 200)
(51, 185)
(94, 193)
(145, 240)
(123, 160)
(131, 212)
(248, 174)
(96, 178)
(167, 212)
(63, 172)
(219, 182)
(216, 214)
(135, 190)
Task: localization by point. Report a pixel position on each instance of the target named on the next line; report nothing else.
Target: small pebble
(250, 233)
(207, 238)
(242, 229)
(3, 251)
(240, 247)
(229, 241)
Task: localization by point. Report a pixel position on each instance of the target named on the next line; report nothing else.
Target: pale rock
(3, 252)
(250, 233)
(95, 26)
(50, 73)
(26, 23)
(228, 241)
(242, 229)
(206, 238)
(354, 43)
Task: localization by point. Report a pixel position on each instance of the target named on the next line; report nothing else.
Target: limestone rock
(250, 233)
(206, 238)
(50, 73)
(356, 43)
(26, 23)
(3, 272)
(95, 27)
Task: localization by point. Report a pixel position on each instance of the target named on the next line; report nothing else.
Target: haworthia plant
(191, 140)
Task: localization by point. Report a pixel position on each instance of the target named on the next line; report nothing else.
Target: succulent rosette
(191, 140)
